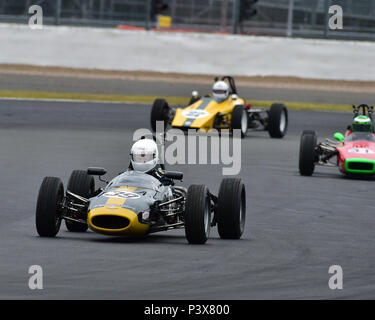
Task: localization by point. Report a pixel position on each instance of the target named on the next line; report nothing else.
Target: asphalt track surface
(164, 88)
(297, 227)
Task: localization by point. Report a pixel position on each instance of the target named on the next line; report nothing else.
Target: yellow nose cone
(116, 221)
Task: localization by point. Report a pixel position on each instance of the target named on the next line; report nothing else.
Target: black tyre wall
(48, 208)
(236, 122)
(159, 112)
(231, 202)
(274, 117)
(307, 153)
(197, 201)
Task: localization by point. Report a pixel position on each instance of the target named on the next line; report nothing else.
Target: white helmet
(220, 90)
(144, 155)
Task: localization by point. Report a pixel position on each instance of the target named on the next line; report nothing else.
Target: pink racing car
(353, 153)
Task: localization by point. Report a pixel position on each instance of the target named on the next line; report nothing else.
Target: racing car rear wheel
(231, 209)
(277, 120)
(49, 207)
(83, 185)
(307, 155)
(159, 112)
(240, 119)
(197, 214)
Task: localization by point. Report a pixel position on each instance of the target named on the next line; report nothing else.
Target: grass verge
(149, 99)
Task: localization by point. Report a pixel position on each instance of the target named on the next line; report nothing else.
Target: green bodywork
(339, 136)
(360, 171)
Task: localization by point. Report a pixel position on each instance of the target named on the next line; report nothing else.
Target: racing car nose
(115, 221)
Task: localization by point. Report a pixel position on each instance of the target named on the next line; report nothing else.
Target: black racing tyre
(217, 122)
(159, 112)
(307, 153)
(231, 209)
(197, 214)
(277, 120)
(240, 119)
(49, 207)
(83, 185)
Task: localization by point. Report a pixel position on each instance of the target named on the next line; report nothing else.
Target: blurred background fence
(303, 18)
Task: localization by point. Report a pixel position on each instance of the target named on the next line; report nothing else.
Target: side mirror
(96, 171)
(339, 136)
(174, 175)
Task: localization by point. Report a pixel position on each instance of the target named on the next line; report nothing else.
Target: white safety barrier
(112, 49)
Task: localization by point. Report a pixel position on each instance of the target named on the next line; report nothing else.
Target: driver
(362, 124)
(144, 157)
(220, 91)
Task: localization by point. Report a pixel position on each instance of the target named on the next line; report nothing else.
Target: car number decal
(121, 194)
(195, 114)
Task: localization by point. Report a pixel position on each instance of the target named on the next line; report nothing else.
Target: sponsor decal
(361, 151)
(145, 215)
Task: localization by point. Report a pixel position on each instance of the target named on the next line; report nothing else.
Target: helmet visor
(361, 127)
(142, 157)
(220, 91)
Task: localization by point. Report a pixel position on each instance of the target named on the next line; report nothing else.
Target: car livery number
(121, 194)
(195, 114)
(361, 151)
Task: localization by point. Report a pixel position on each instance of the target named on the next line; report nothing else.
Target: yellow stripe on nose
(126, 188)
(116, 201)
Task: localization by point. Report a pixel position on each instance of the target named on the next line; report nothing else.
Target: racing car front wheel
(231, 209)
(197, 214)
(307, 154)
(82, 184)
(277, 120)
(49, 207)
(240, 119)
(159, 112)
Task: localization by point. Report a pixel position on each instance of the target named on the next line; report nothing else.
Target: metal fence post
(236, 15)
(101, 9)
(314, 10)
(289, 31)
(148, 14)
(326, 29)
(173, 9)
(58, 12)
(224, 12)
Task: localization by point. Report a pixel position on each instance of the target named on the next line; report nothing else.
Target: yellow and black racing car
(136, 204)
(224, 109)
